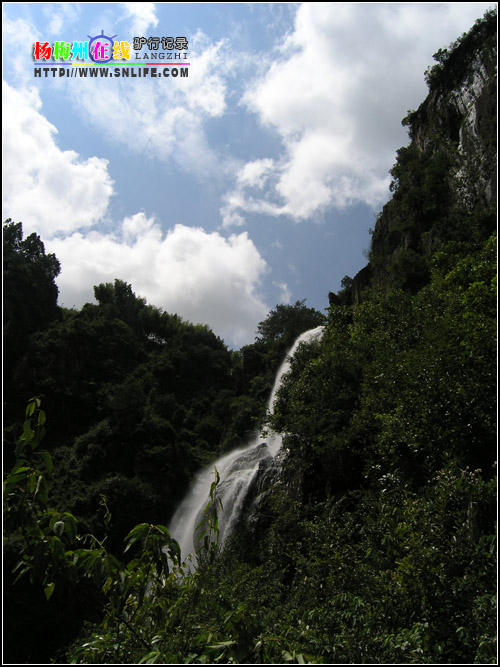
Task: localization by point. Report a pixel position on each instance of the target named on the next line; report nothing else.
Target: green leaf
(112, 563)
(31, 482)
(12, 480)
(30, 408)
(57, 547)
(222, 644)
(48, 590)
(42, 490)
(70, 526)
(19, 467)
(138, 532)
(24, 571)
(48, 461)
(28, 432)
(107, 584)
(87, 558)
(21, 444)
(150, 658)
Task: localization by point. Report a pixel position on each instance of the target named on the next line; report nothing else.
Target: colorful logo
(103, 50)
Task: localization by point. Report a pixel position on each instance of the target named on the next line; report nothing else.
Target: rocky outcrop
(445, 179)
(462, 118)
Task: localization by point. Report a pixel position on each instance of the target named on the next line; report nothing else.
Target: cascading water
(237, 471)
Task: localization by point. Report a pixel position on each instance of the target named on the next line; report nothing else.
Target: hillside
(374, 540)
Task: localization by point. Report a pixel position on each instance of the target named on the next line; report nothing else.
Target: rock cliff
(444, 186)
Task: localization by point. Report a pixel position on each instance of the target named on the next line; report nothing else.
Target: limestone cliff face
(444, 184)
(463, 115)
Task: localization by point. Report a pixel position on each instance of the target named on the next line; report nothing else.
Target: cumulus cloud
(60, 16)
(49, 189)
(343, 80)
(143, 16)
(204, 277)
(284, 292)
(162, 118)
(15, 32)
(254, 174)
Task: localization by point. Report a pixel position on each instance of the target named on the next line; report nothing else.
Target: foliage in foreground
(143, 598)
(378, 544)
(386, 575)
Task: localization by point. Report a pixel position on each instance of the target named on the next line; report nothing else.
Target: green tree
(284, 324)
(29, 304)
(29, 289)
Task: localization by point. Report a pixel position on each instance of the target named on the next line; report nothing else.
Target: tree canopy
(287, 322)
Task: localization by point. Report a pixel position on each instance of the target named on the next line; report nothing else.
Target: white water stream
(237, 471)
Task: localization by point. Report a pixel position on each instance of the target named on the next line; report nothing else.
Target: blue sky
(253, 181)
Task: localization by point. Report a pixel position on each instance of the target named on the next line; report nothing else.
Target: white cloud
(60, 16)
(162, 118)
(15, 32)
(48, 189)
(284, 291)
(203, 277)
(254, 174)
(143, 16)
(345, 77)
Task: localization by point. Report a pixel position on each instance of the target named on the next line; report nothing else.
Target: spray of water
(237, 471)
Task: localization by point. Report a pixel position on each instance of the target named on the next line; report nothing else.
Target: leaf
(19, 467)
(150, 658)
(31, 482)
(70, 526)
(135, 562)
(222, 644)
(137, 533)
(30, 408)
(174, 551)
(24, 571)
(12, 480)
(112, 563)
(21, 444)
(48, 590)
(57, 547)
(42, 489)
(87, 558)
(107, 584)
(28, 432)
(190, 658)
(48, 461)
(58, 528)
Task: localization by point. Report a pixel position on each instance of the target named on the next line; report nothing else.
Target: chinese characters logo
(102, 49)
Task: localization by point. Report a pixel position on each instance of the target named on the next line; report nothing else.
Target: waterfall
(237, 471)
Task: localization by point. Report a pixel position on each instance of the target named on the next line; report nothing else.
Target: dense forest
(375, 541)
